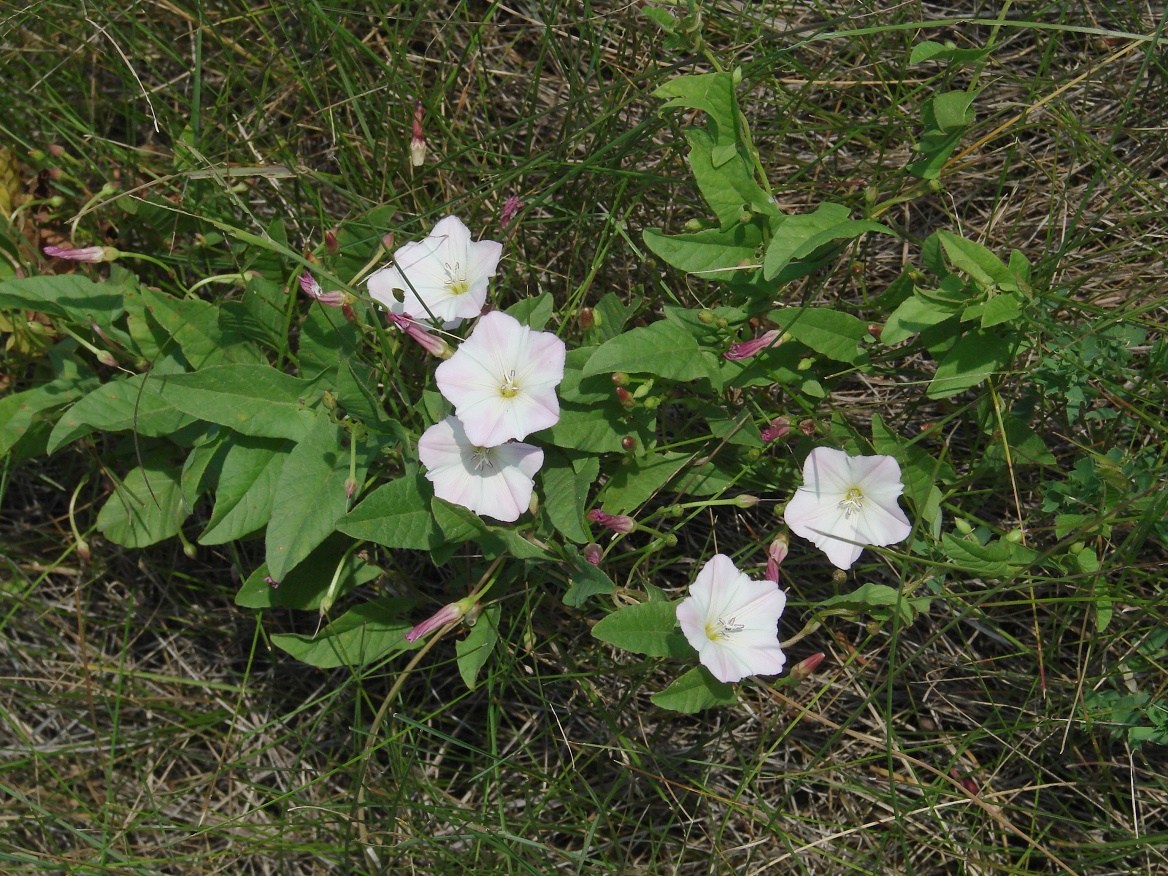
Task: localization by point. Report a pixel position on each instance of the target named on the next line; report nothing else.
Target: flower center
(509, 388)
(852, 502)
(720, 629)
(481, 457)
(456, 282)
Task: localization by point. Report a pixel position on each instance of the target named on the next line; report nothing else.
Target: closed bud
(418, 140)
(625, 398)
(586, 318)
(962, 525)
(706, 316)
(746, 500)
(621, 523)
(330, 242)
(839, 576)
(592, 553)
(629, 443)
(190, 550)
(776, 553)
(802, 670)
(351, 486)
(620, 378)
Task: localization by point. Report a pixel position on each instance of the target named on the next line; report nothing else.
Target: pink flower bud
(431, 343)
(313, 290)
(418, 140)
(802, 670)
(616, 522)
(625, 398)
(746, 349)
(91, 254)
(780, 427)
(350, 488)
(592, 553)
(331, 245)
(511, 208)
(447, 614)
(776, 553)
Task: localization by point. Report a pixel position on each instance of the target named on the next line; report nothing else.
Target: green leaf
(725, 177)
(246, 490)
(21, 411)
(694, 691)
(533, 312)
(73, 297)
(145, 508)
(476, 648)
(395, 515)
(1005, 307)
(310, 497)
(712, 93)
(458, 524)
(915, 314)
(202, 465)
(134, 404)
(799, 236)
(586, 580)
(637, 479)
(711, 253)
(325, 335)
(599, 428)
(305, 586)
(363, 634)
(355, 391)
(975, 260)
(929, 50)
(663, 348)
(646, 628)
(250, 399)
(1000, 558)
(975, 357)
(951, 109)
(878, 600)
(565, 493)
(194, 325)
(828, 332)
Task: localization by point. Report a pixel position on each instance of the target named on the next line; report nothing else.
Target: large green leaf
(646, 628)
(565, 493)
(915, 314)
(799, 236)
(250, 399)
(396, 515)
(134, 404)
(663, 348)
(975, 357)
(244, 498)
(712, 253)
(310, 497)
(145, 508)
(73, 297)
(22, 411)
(694, 691)
(828, 332)
(361, 635)
(599, 428)
(194, 325)
(305, 586)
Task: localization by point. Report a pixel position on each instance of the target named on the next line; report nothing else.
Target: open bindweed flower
(733, 622)
(444, 276)
(847, 502)
(491, 481)
(502, 380)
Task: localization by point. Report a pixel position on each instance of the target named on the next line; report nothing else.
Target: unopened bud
(780, 427)
(746, 500)
(107, 358)
(875, 330)
(331, 244)
(429, 341)
(776, 553)
(586, 318)
(839, 576)
(418, 140)
(706, 317)
(592, 553)
(190, 550)
(620, 378)
(387, 242)
(511, 208)
(802, 670)
(962, 525)
(448, 614)
(625, 398)
(629, 443)
(91, 254)
(351, 486)
(616, 522)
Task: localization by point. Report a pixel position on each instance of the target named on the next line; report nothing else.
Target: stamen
(481, 456)
(455, 278)
(721, 629)
(509, 388)
(852, 502)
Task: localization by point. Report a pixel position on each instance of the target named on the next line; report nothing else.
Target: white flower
(502, 380)
(733, 622)
(491, 481)
(444, 276)
(847, 502)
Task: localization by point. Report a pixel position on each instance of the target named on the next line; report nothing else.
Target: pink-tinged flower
(502, 380)
(592, 553)
(311, 288)
(491, 481)
(776, 553)
(511, 208)
(802, 670)
(847, 502)
(733, 622)
(616, 522)
(780, 427)
(418, 140)
(444, 276)
(91, 254)
(431, 343)
(746, 349)
(447, 614)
